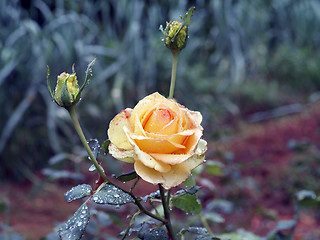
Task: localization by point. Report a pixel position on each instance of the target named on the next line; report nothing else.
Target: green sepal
(186, 20)
(65, 95)
(87, 78)
(48, 83)
(105, 146)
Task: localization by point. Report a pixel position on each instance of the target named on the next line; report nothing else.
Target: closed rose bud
(176, 40)
(66, 90)
(176, 33)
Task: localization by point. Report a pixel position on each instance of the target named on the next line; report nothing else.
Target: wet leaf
(77, 192)
(155, 195)
(127, 176)
(190, 190)
(94, 146)
(188, 203)
(153, 234)
(110, 194)
(74, 228)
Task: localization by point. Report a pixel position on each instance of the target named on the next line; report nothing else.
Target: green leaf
(105, 146)
(77, 192)
(94, 146)
(190, 190)
(127, 176)
(214, 168)
(48, 83)
(188, 203)
(153, 234)
(201, 233)
(110, 194)
(74, 228)
(191, 181)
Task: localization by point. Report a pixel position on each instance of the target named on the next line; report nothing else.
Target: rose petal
(115, 132)
(179, 138)
(151, 145)
(138, 129)
(123, 155)
(172, 159)
(170, 128)
(160, 118)
(177, 174)
(145, 106)
(146, 159)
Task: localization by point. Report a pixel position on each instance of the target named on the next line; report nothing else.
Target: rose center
(159, 118)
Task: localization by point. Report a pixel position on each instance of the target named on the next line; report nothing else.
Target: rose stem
(175, 56)
(206, 225)
(76, 124)
(166, 213)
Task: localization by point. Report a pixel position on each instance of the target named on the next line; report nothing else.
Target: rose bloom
(161, 138)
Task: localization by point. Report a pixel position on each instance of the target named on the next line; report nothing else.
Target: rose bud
(66, 90)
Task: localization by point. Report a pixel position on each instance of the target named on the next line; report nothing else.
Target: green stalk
(72, 112)
(166, 211)
(175, 56)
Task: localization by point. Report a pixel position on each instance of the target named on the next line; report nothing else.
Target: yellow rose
(161, 138)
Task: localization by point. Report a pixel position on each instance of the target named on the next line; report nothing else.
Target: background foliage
(242, 56)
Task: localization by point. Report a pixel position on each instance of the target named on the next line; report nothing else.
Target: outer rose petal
(172, 159)
(146, 159)
(151, 145)
(123, 155)
(115, 132)
(177, 174)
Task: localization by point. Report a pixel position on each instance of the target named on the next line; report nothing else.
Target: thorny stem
(175, 56)
(165, 205)
(72, 112)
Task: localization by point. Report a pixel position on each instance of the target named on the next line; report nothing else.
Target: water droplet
(79, 224)
(116, 195)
